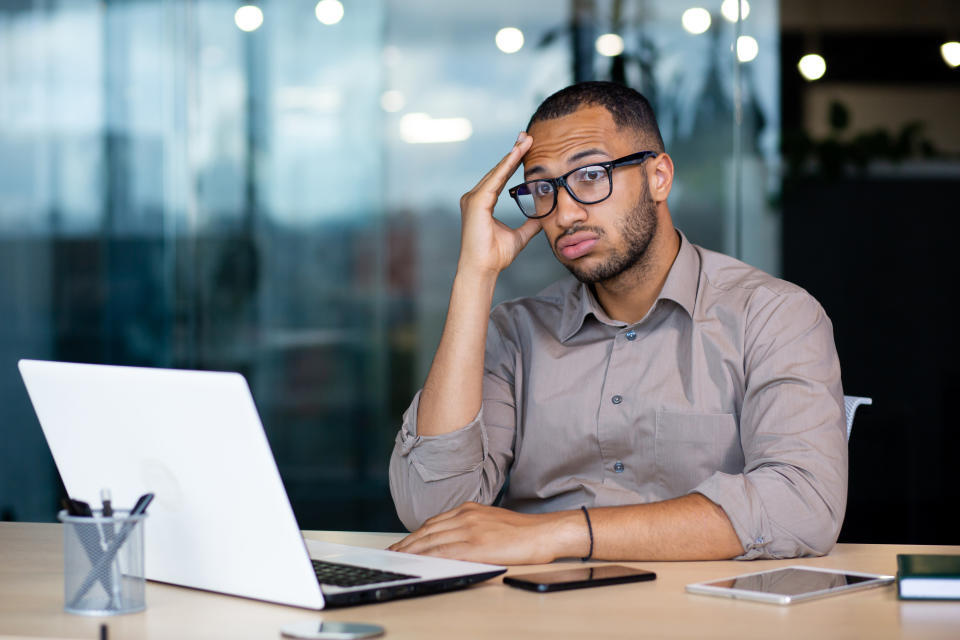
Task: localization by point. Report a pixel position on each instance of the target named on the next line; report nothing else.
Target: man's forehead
(558, 140)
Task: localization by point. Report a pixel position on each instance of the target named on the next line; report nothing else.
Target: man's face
(595, 242)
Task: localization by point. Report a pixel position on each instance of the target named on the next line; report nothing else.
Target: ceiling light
(329, 12)
(812, 66)
(420, 128)
(729, 9)
(509, 39)
(392, 101)
(248, 17)
(747, 48)
(610, 45)
(951, 53)
(696, 20)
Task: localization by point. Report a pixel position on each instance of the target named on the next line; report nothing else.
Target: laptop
(221, 520)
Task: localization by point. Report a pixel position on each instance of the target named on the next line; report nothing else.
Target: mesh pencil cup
(103, 563)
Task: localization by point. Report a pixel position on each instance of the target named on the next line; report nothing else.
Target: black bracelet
(590, 531)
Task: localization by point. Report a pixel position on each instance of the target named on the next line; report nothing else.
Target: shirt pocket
(691, 447)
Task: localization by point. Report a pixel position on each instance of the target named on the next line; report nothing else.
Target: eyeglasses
(587, 185)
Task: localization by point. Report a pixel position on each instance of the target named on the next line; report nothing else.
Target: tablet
(787, 585)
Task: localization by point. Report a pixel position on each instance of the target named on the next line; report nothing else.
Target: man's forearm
(453, 392)
(687, 528)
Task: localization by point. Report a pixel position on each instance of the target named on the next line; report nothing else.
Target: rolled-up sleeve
(432, 474)
(791, 498)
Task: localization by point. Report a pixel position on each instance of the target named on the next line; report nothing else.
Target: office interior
(273, 188)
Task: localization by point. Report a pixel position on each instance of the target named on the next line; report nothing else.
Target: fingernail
(521, 137)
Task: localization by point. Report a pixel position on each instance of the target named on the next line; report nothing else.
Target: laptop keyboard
(346, 575)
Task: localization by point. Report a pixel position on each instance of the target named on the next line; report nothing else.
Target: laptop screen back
(221, 519)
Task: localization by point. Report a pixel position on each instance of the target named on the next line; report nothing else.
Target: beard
(637, 229)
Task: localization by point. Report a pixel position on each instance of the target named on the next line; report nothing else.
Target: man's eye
(543, 189)
(591, 174)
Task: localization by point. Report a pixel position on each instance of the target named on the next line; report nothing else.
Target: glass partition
(274, 189)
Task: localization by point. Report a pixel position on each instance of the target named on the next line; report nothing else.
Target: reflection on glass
(791, 582)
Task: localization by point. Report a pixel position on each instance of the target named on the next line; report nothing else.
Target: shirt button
(616, 399)
(631, 335)
(618, 467)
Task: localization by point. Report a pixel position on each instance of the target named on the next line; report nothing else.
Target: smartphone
(579, 578)
(318, 630)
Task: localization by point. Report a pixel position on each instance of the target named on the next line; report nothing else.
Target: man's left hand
(480, 533)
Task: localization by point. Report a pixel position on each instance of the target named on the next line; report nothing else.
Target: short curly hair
(628, 107)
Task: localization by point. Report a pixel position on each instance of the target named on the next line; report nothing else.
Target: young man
(670, 403)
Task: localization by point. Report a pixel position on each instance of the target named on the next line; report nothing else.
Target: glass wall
(200, 184)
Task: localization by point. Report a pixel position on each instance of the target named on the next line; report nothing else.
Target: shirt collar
(680, 286)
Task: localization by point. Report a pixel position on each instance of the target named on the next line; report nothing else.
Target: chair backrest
(850, 404)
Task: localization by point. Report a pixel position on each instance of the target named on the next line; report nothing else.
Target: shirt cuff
(443, 456)
(732, 493)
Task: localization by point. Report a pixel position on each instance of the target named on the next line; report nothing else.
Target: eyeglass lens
(589, 185)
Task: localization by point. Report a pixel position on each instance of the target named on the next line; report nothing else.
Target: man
(670, 403)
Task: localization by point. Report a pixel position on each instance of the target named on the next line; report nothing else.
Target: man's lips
(576, 245)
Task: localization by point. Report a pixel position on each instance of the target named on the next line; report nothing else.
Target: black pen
(107, 512)
(105, 499)
(88, 538)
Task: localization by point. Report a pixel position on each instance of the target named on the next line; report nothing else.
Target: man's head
(628, 108)
(589, 124)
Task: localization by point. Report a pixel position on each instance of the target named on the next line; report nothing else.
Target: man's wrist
(570, 535)
(476, 278)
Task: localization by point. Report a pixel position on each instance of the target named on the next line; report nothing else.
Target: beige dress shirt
(729, 387)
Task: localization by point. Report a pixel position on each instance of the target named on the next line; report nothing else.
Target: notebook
(221, 520)
(923, 576)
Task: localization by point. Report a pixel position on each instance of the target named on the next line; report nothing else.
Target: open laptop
(221, 520)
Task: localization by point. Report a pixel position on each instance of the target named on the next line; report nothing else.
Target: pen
(139, 508)
(109, 533)
(105, 499)
(88, 537)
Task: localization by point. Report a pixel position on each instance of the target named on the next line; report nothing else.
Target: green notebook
(928, 577)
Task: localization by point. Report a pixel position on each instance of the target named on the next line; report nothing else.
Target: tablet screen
(791, 581)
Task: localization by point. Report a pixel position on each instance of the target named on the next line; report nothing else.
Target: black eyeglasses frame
(634, 158)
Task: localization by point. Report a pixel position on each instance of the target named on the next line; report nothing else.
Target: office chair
(850, 404)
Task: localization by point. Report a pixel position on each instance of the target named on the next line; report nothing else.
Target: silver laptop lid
(215, 523)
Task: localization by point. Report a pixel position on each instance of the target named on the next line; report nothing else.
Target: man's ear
(660, 176)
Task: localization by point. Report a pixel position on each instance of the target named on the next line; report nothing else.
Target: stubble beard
(637, 229)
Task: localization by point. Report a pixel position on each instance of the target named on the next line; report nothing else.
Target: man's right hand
(488, 246)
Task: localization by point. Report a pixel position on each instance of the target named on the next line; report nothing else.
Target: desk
(31, 603)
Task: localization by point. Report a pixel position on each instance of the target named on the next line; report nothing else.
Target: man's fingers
(443, 522)
(527, 230)
(434, 540)
(497, 177)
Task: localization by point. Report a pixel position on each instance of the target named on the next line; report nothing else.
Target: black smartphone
(579, 578)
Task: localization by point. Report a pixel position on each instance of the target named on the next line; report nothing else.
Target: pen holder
(103, 563)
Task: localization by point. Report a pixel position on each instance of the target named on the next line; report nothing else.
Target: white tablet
(790, 584)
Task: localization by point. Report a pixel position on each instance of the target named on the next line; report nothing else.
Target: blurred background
(273, 188)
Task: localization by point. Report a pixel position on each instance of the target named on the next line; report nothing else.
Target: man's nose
(569, 212)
